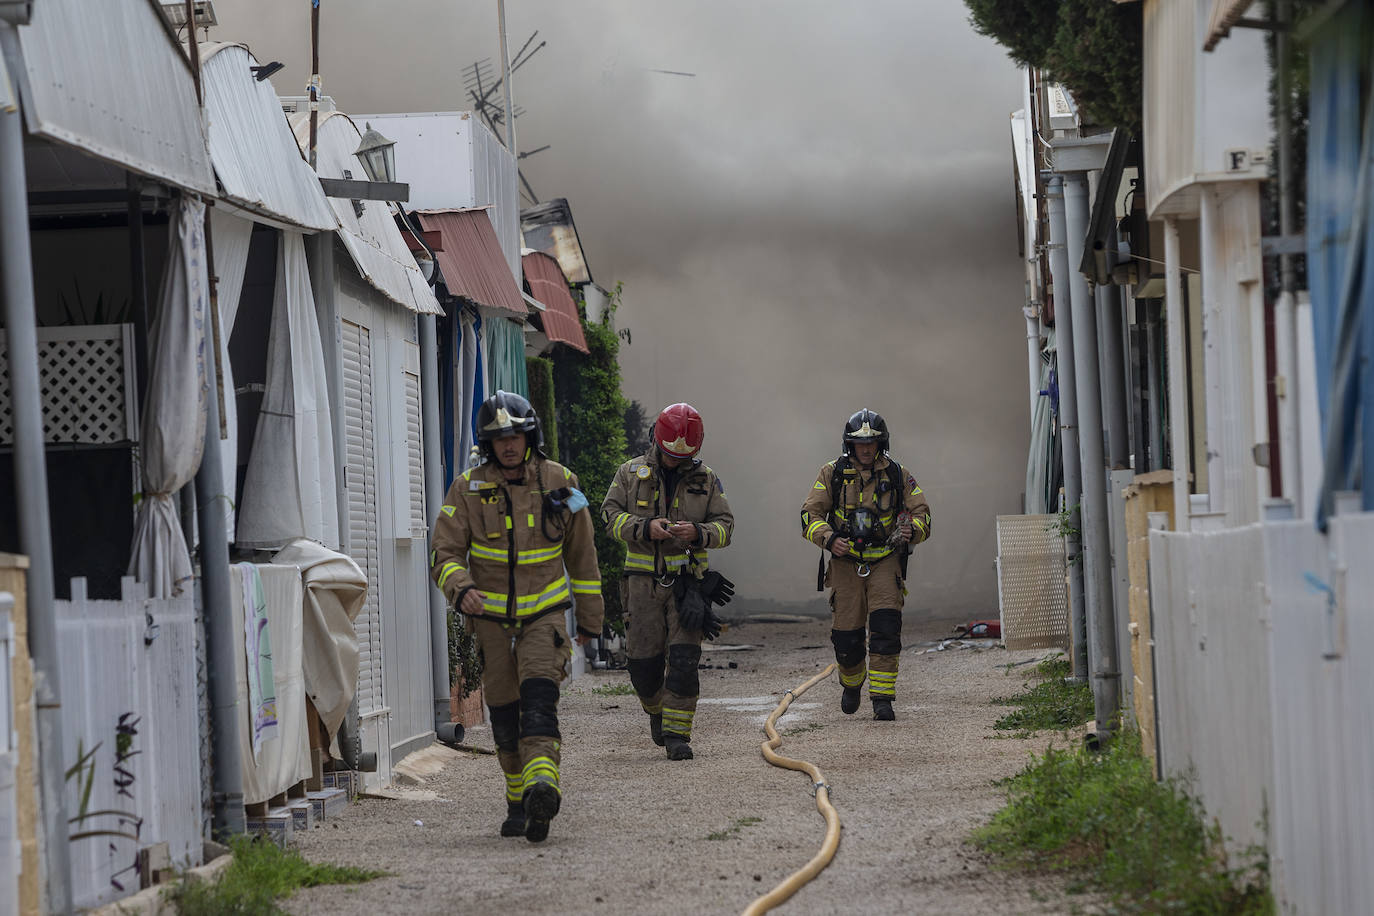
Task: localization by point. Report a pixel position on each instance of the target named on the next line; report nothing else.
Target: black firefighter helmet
(865, 426)
(508, 414)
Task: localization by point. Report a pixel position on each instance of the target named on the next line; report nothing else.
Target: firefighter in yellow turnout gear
(669, 509)
(865, 511)
(512, 549)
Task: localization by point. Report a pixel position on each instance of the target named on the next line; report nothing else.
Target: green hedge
(540, 374)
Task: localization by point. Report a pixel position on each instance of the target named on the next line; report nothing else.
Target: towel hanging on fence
(257, 645)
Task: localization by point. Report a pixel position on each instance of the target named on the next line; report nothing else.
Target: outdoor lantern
(378, 155)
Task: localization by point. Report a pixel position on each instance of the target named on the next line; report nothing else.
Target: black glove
(691, 604)
(717, 588)
(710, 627)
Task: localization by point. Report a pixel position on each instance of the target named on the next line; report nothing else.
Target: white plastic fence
(9, 801)
(130, 719)
(1265, 681)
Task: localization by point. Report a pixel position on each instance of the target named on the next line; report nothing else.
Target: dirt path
(640, 834)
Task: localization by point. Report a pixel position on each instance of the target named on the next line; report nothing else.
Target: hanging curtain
(474, 391)
(1340, 247)
(173, 427)
(290, 488)
(1040, 460)
(505, 342)
(231, 236)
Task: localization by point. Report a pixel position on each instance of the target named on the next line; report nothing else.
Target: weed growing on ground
(613, 690)
(802, 729)
(1143, 842)
(1055, 703)
(260, 874)
(734, 828)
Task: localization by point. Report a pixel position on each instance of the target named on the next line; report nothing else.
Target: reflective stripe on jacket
(866, 490)
(494, 535)
(635, 497)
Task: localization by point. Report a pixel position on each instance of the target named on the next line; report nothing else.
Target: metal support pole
(1112, 346)
(505, 78)
(434, 498)
(1068, 423)
(1102, 644)
(31, 499)
(1176, 320)
(1285, 316)
(212, 497)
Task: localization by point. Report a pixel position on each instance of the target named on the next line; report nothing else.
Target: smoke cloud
(821, 219)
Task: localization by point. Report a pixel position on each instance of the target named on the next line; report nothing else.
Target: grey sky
(821, 219)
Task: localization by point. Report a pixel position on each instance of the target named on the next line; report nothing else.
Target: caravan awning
(1225, 14)
(471, 259)
(251, 145)
(110, 79)
(549, 286)
(372, 239)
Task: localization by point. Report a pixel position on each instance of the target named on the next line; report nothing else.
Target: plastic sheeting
(335, 590)
(283, 760)
(1340, 247)
(290, 488)
(230, 236)
(173, 429)
(1041, 499)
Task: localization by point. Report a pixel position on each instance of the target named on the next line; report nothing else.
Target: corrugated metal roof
(109, 78)
(1225, 13)
(251, 145)
(549, 286)
(549, 227)
(373, 241)
(471, 259)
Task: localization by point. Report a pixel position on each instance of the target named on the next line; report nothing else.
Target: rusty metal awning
(471, 259)
(549, 286)
(1225, 14)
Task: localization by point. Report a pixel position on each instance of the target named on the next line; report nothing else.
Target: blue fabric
(1340, 247)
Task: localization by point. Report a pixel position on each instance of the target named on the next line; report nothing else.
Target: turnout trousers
(661, 654)
(867, 610)
(522, 666)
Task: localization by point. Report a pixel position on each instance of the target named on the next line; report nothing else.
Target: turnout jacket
(825, 516)
(637, 496)
(519, 544)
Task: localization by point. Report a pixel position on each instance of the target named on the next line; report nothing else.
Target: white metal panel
(10, 864)
(415, 456)
(1212, 674)
(1033, 597)
(131, 710)
(372, 239)
(110, 79)
(251, 144)
(1199, 107)
(495, 182)
(361, 484)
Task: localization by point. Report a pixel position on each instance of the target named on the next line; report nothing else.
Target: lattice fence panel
(1032, 592)
(86, 375)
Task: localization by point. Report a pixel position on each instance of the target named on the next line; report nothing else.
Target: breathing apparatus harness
(862, 527)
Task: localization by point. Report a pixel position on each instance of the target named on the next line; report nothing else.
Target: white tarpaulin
(290, 489)
(283, 759)
(231, 237)
(465, 372)
(174, 413)
(335, 589)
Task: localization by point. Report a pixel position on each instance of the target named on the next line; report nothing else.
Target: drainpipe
(211, 497)
(1285, 315)
(1101, 620)
(1175, 321)
(1068, 423)
(31, 491)
(445, 730)
(1112, 347)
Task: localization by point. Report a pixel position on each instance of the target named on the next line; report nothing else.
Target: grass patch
(802, 729)
(734, 828)
(1144, 843)
(613, 690)
(260, 874)
(1052, 704)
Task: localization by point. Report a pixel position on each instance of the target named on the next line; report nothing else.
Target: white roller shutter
(361, 480)
(415, 456)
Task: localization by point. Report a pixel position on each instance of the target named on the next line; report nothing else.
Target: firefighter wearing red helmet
(864, 511)
(669, 509)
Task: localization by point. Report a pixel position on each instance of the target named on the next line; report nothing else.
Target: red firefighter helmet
(678, 430)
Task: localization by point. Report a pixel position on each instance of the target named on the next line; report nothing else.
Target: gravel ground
(641, 834)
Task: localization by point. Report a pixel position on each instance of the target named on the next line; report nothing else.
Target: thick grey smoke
(821, 219)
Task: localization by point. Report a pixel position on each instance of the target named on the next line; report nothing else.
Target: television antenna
(483, 86)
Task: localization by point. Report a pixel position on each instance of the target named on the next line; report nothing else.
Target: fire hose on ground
(821, 859)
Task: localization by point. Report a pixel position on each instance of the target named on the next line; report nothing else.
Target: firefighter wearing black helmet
(512, 549)
(865, 511)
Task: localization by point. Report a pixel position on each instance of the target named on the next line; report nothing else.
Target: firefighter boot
(656, 728)
(541, 804)
(849, 701)
(514, 824)
(882, 709)
(678, 747)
